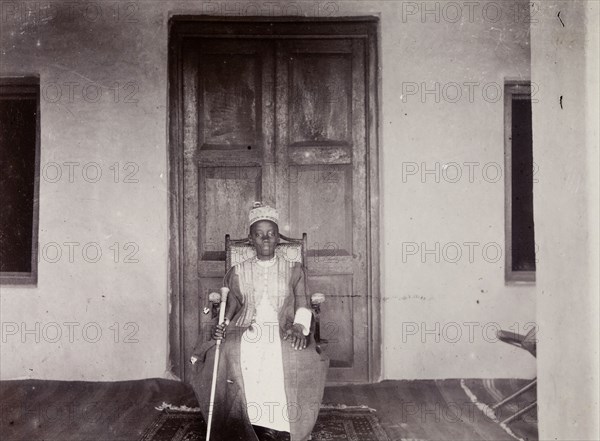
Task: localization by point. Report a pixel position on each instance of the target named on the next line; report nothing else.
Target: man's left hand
(296, 337)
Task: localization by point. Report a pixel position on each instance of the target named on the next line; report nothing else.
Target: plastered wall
(566, 205)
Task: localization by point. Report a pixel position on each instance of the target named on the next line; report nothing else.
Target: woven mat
(332, 425)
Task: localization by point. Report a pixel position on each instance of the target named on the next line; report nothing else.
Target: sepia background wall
(103, 75)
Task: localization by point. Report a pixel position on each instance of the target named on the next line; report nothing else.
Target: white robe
(261, 358)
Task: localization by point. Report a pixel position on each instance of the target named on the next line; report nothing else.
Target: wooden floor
(437, 410)
(120, 411)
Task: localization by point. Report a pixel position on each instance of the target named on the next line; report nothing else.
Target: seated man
(271, 379)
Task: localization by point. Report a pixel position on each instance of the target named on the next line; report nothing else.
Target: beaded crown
(263, 212)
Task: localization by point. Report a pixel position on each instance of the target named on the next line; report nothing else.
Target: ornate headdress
(263, 212)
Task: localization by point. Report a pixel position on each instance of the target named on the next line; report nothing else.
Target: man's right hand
(220, 331)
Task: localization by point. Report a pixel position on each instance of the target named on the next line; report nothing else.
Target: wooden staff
(213, 386)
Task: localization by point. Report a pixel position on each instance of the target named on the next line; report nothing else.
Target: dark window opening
(19, 165)
(520, 238)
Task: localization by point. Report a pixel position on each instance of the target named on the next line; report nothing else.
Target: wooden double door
(282, 120)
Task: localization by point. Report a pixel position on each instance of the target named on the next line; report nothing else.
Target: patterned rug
(332, 425)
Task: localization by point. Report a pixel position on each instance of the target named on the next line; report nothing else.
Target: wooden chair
(290, 249)
(239, 250)
(528, 343)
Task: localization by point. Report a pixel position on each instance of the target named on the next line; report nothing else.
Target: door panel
(227, 85)
(282, 121)
(231, 105)
(336, 317)
(230, 77)
(320, 110)
(321, 206)
(224, 190)
(320, 91)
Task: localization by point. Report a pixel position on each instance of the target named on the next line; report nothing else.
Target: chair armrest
(316, 300)
(530, 342)
(512, 338)
(215, 299)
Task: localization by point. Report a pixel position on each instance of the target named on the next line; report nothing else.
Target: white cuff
(303, 318)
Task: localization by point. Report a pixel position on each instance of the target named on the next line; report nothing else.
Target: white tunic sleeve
(303, 318)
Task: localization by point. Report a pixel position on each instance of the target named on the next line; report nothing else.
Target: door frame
(185, 26)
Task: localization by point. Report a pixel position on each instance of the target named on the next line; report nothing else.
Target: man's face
(264, 235)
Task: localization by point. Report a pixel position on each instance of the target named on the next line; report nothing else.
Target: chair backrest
(293, 250)
(239, 250)
(527, 342)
